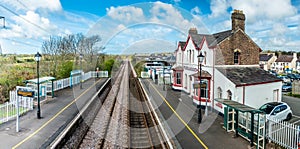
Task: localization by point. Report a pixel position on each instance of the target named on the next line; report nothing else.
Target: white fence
(283, 133)
(8, 110)
(69, 82)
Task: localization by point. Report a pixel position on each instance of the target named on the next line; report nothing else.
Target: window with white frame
(219, 91)
(229, 95)
(204, 88)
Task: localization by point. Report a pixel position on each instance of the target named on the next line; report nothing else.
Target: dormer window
(236, 56)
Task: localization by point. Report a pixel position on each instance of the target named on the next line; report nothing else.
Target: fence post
(6, 105)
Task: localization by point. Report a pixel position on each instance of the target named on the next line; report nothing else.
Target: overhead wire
(21, 33)
(21, 42)
(25, 6)
(13, 12)
(22, 4)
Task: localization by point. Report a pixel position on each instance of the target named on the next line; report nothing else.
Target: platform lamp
(38, 57)
(200, 60)
(80, 59)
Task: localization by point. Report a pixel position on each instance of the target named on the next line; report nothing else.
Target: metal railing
(283, 133)
(8, 110)
(68, 82)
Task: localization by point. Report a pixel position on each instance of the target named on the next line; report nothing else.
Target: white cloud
(279, 29)
(257, 9)
(121, 27)
(196, 11)
(126, 13)
(270, 24)
(150, 46)
(176, 1)
(51, 5)
(35, 26)
(169, 15)
(218, 8)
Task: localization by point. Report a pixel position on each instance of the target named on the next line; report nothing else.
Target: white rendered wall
(257, 95)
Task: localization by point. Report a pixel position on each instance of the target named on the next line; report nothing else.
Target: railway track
(144, 132)
(124, 119)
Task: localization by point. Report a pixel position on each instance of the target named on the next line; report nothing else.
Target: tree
(59, 50)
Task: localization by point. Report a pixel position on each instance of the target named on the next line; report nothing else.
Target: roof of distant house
(265, 57)
(243, 76)
(284, 58)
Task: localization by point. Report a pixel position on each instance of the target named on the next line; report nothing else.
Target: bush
(64, 70)
(293, 95)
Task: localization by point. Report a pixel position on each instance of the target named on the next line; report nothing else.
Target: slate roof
(178, 68)
(284, 58)
(265, 57)
(241, 76)
(222, 35)
(182, 44)
(204, 74)
(197, 38)
(213, 39)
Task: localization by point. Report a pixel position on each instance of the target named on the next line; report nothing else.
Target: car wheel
(288, 117)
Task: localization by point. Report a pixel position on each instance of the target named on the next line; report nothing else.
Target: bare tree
(61, 49)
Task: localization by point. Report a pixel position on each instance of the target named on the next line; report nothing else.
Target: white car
(277, 110)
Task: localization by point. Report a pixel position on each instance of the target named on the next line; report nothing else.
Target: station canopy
(238, 106)
(41, 80)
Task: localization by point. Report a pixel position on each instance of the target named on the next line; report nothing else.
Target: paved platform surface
(56, 113)
(179, 116)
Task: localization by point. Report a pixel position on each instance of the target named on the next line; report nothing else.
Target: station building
(230, 69)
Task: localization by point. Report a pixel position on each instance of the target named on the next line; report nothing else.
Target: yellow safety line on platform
(186, 125)
(50, 120)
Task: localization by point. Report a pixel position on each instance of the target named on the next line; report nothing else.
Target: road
(293, 102)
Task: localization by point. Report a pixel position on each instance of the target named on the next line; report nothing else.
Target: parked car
(277, 110)
(287, 87)
(284, 78)
(297, 76)
(291, 76)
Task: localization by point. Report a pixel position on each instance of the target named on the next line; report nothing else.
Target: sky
(138, 26)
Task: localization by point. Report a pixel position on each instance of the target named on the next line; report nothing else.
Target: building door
(275, 95)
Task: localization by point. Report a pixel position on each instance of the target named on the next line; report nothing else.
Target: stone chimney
(238, 20)
(193, 30)
(295, 55)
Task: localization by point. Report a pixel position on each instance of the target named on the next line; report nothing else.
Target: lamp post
(200, 60)
(164, 77)
(38, 57)
(80, 58)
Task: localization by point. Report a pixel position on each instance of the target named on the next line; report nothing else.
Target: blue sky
(137, 26)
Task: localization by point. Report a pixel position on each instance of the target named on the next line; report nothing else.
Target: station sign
(25, 92)
(197, 85)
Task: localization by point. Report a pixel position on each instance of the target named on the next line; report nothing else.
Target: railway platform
(178, 115)
(59, 111)
(56, 113)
